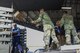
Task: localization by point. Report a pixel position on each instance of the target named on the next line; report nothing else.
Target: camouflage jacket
(67, 21)
(45, 19)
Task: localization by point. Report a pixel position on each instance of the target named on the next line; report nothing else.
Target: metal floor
(55, 51)
(72, 51)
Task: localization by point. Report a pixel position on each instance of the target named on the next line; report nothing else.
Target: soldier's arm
(16, 31)
(72, 19)
(62, 21)
(38, 20)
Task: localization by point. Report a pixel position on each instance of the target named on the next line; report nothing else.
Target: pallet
(5, 20)
(5, 26)
(5, 39)
(6, 15)
(6, 9)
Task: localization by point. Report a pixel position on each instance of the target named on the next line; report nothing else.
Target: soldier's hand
(33, 22)
(37, 25)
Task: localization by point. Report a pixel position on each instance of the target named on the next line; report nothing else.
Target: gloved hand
(33, 22)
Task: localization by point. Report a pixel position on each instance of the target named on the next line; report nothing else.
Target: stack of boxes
(5, 28)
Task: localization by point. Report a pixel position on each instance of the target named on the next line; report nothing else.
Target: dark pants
(15, 42)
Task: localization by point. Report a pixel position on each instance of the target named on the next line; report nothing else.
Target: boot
(52, 46)
(68, 40)
(77, 42)
(46, 48)
(58, 47)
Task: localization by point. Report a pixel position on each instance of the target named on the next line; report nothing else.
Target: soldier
(59, 32)
(15, 38)
(48, 28)
(67, 22)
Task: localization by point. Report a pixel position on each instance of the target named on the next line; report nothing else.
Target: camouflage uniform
(48, 28)
(67, 21)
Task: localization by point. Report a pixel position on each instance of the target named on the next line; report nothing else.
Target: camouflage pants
(68, 34)
(49, 32)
